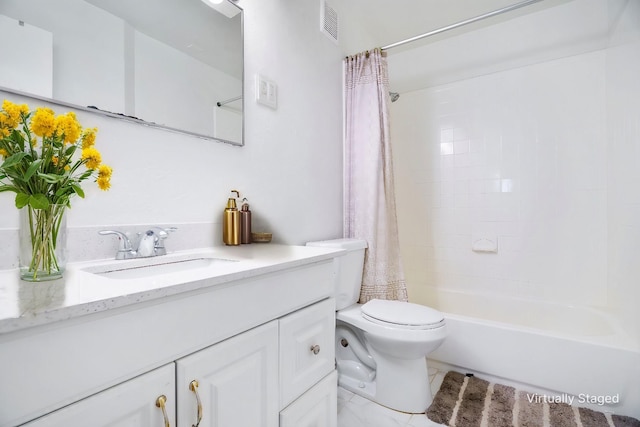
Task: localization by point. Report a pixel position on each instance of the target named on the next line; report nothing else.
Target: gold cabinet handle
(315, 349)
(160, 403)
(193, 386)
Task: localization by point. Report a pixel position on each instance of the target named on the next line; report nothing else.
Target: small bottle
(245, 222)
(231, 222)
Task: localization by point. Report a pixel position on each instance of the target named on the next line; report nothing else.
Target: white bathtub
(575, 350)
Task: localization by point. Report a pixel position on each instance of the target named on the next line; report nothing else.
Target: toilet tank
(348, 269)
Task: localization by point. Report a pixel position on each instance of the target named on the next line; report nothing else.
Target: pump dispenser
(245, 222)
(231, 221)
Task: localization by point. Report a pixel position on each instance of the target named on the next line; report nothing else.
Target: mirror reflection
(176, 64)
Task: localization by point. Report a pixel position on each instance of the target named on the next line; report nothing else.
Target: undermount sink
(154, 266)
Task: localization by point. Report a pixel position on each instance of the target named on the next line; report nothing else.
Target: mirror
(174, 64)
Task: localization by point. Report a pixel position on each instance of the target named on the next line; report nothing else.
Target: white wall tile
(522, 153)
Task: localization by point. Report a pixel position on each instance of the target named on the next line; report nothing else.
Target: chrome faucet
(150, 243)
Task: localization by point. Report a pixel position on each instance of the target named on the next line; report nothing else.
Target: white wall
(290, 168)
(538, 149)
(623, 158)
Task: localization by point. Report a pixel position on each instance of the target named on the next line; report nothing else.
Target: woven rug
(467, 401)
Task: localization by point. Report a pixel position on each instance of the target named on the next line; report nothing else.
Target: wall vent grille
(329, 21)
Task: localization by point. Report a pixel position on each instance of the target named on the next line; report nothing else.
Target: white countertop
(26, 304)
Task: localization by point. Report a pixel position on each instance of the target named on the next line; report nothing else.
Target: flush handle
(315, 349)
(193, 386)
(161, 402)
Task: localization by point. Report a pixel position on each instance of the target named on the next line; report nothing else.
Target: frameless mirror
(174, 64)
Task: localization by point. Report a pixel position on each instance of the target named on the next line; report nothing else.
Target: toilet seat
(402, 315)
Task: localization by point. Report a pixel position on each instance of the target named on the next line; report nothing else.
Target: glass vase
(43, 241)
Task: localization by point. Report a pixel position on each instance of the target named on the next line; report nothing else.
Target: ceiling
(390, 21)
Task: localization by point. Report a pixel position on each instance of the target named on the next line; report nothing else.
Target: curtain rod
(461, 23)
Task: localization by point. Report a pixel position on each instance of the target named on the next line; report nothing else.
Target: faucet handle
(161, 234)
(124, 244)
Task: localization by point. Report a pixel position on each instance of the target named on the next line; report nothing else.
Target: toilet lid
(402, 314)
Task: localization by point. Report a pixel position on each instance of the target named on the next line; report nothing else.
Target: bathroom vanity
(245, 342)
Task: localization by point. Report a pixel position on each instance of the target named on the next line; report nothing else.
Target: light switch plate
(266, 92)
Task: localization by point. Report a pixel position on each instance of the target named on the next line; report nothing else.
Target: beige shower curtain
(370, 209)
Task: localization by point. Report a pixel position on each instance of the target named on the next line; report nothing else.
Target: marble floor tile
(356, 411)
(360, 412)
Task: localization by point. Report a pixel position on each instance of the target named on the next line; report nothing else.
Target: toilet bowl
(381, 346)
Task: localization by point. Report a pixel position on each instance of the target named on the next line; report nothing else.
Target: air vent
(328, 21)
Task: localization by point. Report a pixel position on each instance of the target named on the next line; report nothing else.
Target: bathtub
(580, 351)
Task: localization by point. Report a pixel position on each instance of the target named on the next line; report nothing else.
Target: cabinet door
(132, 403)
(237, 381)
(318, 407)
(307, 349)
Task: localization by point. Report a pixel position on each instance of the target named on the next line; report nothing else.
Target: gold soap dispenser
(231, 222)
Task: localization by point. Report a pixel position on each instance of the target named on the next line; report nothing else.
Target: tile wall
(540, 154)
(516, 157)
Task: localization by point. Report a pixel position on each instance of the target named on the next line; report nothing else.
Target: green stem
(44, 230)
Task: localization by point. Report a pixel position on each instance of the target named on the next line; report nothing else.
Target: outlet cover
(266, 92)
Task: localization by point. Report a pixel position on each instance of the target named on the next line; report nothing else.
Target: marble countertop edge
(29, 304)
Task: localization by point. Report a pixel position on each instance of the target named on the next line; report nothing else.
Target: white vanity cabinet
(308, 379)
(136, 402)
(307, 350)
(260, 350)
(233, 383)
(317, 407)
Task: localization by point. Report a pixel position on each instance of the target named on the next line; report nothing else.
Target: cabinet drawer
(307, 349)
(130, 403)
(318, 407)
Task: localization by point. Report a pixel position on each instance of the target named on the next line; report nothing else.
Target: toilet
(381, 346)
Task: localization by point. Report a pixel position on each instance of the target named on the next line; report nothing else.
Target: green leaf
(22, 200)
(12, 160)
(38, 201)
(69, 151)
(8, 188)
(32, 169)
(51, 178)
(78, 190)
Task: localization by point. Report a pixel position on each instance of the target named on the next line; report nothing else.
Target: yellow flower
(13, 112)
(91, 157)
(105, 171)
(5, 124)
(43, 122)
(104, 183)
(54, 141)
(68, 125)
(89, 137)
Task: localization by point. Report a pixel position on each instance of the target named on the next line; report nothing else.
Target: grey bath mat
(464, 401)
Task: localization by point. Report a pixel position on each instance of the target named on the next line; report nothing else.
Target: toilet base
(401, 385)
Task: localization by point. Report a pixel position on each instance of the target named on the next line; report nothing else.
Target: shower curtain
(370, 210)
